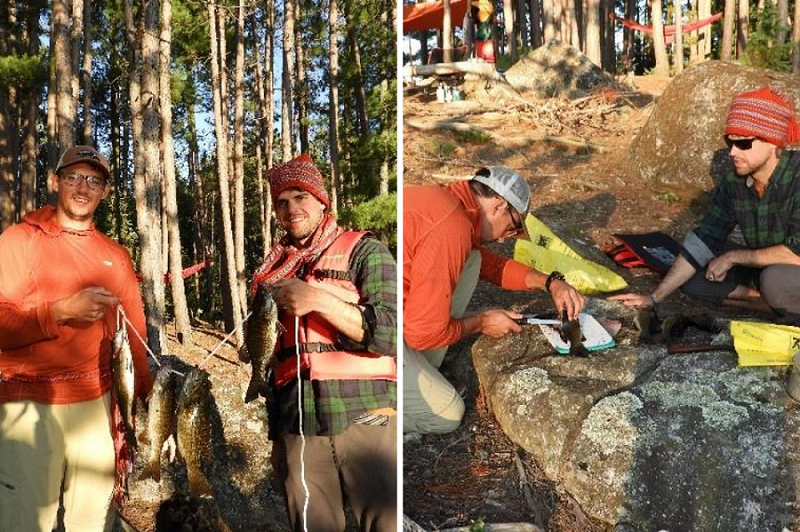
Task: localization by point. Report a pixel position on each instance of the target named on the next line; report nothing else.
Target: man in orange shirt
(443, 232)
(60, 282)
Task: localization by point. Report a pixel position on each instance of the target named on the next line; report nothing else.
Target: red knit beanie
(300, 173)
(764, 113)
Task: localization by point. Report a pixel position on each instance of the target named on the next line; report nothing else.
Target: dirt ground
(583, 192)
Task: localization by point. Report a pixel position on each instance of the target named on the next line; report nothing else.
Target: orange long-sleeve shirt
(441, 226)
(42, 262)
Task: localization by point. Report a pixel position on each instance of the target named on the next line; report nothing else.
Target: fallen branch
(451, 125)
(410, 526)
(484, 70)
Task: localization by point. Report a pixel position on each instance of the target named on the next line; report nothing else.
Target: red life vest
(320, 354)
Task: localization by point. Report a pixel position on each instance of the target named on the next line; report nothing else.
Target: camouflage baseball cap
(84, 154)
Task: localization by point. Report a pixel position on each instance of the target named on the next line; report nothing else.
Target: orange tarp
(429, 15)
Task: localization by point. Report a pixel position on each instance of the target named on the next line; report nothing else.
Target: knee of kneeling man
(450, 419)
(771, 286)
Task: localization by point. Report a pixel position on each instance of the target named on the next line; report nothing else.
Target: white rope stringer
(302, 436)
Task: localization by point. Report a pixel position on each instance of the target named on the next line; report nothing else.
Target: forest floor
(580, 185)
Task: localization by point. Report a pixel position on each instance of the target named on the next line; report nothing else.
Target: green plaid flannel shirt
(330, 406)
(768, 221)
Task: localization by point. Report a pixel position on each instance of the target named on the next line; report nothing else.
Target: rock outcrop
(681, 143)
(647, 440)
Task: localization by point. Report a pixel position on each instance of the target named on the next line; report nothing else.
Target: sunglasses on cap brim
(741, 144)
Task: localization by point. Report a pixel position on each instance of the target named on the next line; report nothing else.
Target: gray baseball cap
(511, 186)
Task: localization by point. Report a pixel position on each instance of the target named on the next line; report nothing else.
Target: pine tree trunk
(742, 27)
(508, 22)
(535, 7)
(8, 204)
(549, 26)
(229, 259)
(181, 309)
(263, 123)
(783, 21)
(708, 31)
(86, 73)
(65, 103)
(52, 103)
(592, 18)
(115, 161)
(694, 48)
(659, 46)
(521, 24)
(796, 39)
(447, 33)
(30, 142)
(238, 159)
(678, 55)
(269, 138)
(627, 37)
(288, 79)
(333, 58)
(76, 45)
(148, 184)
(727, 31)
(301, 87)
(361, 95)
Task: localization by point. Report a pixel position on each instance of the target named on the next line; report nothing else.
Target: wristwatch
(552, 277)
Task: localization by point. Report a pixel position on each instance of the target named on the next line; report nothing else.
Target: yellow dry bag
(546, 252)
(764, 344)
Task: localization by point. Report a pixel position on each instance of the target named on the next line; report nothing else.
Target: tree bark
(30, 145)
(263, 123)
(333, 58)
(148, 184)
(269, 138)
(535, 7)
(678, 54)
(549, 25)
(508, 23)
(76, 45)
(727, 31)
(8, 203)
(742, 27)
(659, 47)
(796, 39)
(288, 79)
(229, 258)
(627, 37)
(521, 24)
(361, 95)
(238, 159)
(301, 87)
(592, 17)
(447, 33)
(181, 309)
(86, 73)
(783, 20)
(65, 103)
(52, 101)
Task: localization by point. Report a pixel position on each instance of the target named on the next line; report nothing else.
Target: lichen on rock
(609, 425)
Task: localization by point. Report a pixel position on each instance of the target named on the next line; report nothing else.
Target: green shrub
(378, 215)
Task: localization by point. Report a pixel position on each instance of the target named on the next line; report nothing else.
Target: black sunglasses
(741, 144)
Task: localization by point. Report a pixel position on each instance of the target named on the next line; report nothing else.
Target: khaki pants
(430, 403)
(47, 448)
(360, 463)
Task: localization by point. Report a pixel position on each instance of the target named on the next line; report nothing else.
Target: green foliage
(442, 149)
(378, 215)
(478, 526)
(22, 71)
(763, 49)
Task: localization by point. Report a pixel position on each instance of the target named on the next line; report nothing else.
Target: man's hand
(567, 298)
(88, 305)
(296, 297)
(633, 300)
(717, 269)
(498, 323)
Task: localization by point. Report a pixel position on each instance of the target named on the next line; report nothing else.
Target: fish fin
(152, 470)
(281, 328)
(256, 389)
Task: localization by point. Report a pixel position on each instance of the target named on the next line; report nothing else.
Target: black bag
(656, 251)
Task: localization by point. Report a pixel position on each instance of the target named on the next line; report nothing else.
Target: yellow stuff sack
(546, 252)
(765, 344)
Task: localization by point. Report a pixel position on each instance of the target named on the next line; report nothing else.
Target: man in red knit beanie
(336, 292)
(762, 197)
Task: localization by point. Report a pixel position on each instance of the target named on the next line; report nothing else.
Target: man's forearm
(676, 277)
(345, 317)
(761, 258)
